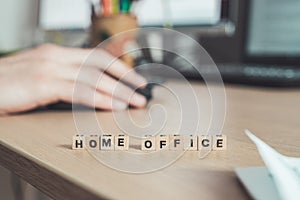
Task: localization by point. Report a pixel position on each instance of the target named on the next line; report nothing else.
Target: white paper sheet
(284, 170)
(177, 12)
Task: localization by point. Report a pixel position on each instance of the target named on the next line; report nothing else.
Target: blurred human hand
(48, 73)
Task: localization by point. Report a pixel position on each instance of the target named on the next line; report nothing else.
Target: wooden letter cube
(148, 143)
(190, 142)
(219, 142)
(78, 142)
(162, 142)
(107, 142)
(121, 142)
(176, 142)
(204, 142)
(92, 142)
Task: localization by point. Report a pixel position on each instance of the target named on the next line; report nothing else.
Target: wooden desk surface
(36, 146)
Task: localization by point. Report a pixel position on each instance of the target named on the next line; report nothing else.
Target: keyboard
(253, 74)
(247, 74)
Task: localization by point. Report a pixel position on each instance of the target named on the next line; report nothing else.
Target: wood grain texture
(37, 146)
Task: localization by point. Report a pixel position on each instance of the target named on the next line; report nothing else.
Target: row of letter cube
(186, 142)
(151, 143)
(103, 142)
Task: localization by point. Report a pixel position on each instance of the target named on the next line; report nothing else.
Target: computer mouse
(146, 91)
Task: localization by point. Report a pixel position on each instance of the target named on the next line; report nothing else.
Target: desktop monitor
(269, 34)
(272, 32)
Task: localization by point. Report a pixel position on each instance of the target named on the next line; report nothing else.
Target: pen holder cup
(103, 27)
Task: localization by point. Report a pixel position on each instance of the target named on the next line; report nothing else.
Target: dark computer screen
(273, 28)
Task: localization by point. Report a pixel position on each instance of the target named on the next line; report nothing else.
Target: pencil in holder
(103, 27)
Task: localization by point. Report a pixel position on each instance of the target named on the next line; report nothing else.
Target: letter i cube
(190, 142)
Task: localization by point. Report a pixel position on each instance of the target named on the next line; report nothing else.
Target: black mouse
(146, 91)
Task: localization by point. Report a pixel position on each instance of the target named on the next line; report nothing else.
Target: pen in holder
(105, 26)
